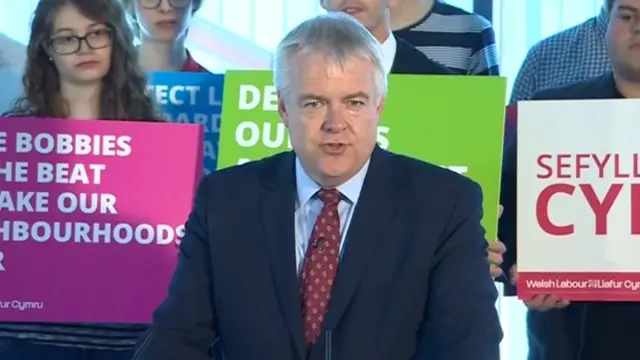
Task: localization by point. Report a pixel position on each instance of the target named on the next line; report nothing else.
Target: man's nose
(335, 120)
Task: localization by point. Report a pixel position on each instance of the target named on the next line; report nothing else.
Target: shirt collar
(389, 48)
(307, 187)
(602, 21)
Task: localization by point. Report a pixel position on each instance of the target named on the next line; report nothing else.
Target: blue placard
(193, 98)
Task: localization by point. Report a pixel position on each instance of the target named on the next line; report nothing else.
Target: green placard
(451, 121)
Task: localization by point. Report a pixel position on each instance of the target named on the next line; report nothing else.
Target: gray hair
(336, 37)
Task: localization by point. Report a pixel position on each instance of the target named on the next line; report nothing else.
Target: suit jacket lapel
(373, 212)
(277, 206)
(396, 67)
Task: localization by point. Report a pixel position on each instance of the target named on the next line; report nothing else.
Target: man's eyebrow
(356, 95)
(351, 96)
(310, 96)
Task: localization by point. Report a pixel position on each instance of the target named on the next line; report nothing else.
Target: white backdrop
(249, 25)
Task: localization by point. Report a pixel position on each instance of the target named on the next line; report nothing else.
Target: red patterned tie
(320, 265)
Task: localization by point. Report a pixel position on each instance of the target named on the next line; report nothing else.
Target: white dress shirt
(389, 48)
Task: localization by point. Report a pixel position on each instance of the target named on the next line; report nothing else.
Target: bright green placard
(452, 121)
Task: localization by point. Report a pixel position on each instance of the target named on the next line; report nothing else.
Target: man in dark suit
(258, 263)
(557, 329)
(400, 56)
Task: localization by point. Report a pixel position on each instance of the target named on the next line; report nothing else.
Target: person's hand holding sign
(539, 302)
(496, 250)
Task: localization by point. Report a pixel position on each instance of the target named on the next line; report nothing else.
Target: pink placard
(90, 213)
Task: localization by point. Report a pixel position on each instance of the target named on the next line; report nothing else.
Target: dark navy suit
(413, 282)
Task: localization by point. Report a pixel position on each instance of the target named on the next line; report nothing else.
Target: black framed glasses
(154, 4)
(71, 44)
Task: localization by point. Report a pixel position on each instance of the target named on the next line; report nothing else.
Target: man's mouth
(334, 148)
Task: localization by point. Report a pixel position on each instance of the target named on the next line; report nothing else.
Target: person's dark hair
(130, 7)
(609, 5)
(124, 92)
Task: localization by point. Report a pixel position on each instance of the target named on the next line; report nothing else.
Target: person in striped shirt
(462, 41)
(76, 51)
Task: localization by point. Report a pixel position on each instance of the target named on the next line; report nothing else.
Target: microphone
(327, 345)
(319, 244)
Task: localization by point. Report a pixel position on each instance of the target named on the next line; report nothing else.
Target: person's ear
(381, 103)
(47, 51)
(282, 109)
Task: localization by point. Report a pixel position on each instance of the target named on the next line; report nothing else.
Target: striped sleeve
(484, 60)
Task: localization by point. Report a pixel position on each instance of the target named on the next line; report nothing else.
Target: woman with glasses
(162, 27)
(81, 64)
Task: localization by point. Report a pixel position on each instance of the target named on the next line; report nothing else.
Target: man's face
(332, 113)
(163, 23)
(369, 13)
(623, 37)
